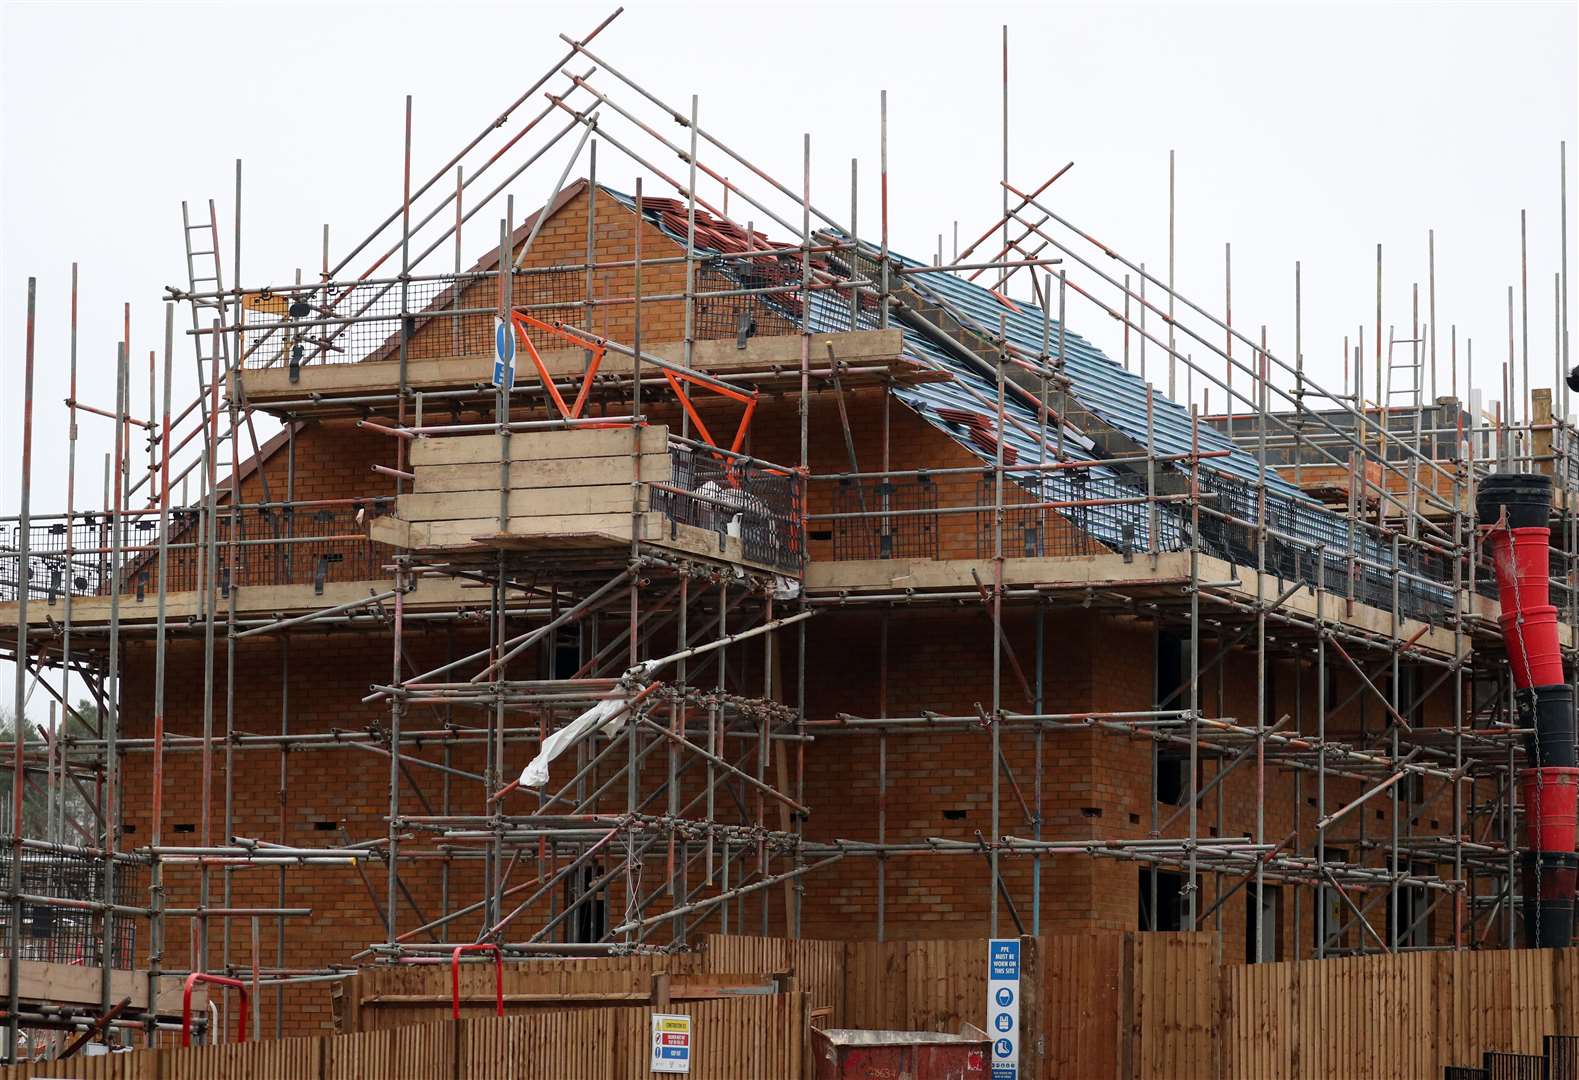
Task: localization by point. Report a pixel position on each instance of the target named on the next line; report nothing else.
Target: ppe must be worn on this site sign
(1003, 1006)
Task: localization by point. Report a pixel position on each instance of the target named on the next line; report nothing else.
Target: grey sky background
(1302, 132)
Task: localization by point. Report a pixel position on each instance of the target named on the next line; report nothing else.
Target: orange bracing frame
(676, 378)
(524, 322)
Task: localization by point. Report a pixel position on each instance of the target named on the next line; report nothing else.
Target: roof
(1118, 397)
(965, 409)
(1098, 383)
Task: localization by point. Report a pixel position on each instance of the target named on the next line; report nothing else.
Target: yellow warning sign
(671, 1043)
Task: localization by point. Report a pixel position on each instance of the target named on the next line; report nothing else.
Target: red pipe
(1551, 796)
(455, 976)
(1515, 510)
(221, 980)
(1533, 652)
(1520, 560)
(1529, 622)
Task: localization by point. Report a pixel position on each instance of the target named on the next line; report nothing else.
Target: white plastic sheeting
(606, 717)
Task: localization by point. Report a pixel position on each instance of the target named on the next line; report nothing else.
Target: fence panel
(875, 987)
(558, 1045)
(1175, 1005)
(1082, 1006)
(753, 1036)
(740, 952)
(279, 1059)
(416, 1051)
(1565, 981)
(947, 984)
(1389, 1017)
(136, 1065)
(818, 965)
(915, 985)
(398, 995)
(1562, 1056)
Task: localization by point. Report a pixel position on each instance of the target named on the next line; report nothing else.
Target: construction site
(696, 605)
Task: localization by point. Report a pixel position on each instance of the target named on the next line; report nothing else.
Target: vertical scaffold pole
(632, 727)
(996, 718)
(210, 601)
(1192, 886)
(1172, 350)
(1261, 657)
(112, 689)
(70, 557)
(882, 142)
(19, 701)
(156, 928)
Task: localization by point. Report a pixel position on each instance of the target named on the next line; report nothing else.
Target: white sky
(1302, 132)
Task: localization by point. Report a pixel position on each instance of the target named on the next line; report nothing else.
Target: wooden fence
(1393, 1017)
(1100, 1005)
(1125, 1006)
(757, 1036)
(1110, 1005)
(1105, 1005)
(388, 996)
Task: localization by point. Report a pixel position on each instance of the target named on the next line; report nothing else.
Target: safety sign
(1003, 1006)
(671, 1043)
(503, 352)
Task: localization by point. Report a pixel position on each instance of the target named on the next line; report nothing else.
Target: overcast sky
(1301, 132)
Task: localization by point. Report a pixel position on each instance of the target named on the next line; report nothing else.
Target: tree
(36, 818)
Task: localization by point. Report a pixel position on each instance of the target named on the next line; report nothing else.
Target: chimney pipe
(1514, 511)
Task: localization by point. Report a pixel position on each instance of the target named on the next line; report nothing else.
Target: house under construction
(697, 562)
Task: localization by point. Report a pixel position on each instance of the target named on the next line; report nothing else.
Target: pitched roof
(1117, 397)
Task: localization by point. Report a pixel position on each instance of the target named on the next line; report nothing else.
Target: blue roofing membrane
(1102, 386)
(1115, 395)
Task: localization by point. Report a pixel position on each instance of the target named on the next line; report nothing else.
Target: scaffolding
(1345, 539)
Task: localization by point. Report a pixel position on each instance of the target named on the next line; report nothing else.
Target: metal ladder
(208, 277)
(203, 282)
(1409, 389)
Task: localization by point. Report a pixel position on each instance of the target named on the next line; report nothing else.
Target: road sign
(503, 352)
(1003, 1006)
(671, 1043)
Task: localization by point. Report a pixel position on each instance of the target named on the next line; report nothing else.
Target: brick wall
(1093, 784)
(562, 295)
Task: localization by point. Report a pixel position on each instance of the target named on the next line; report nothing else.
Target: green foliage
(35, 809)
